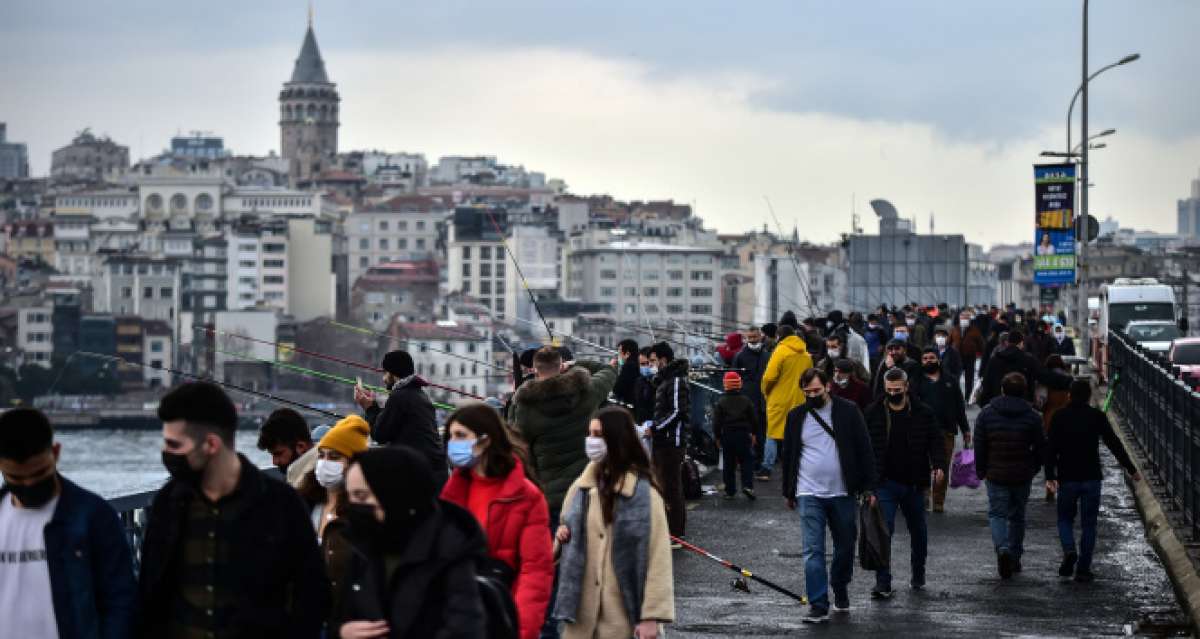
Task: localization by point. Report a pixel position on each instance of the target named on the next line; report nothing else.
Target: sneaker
(764, 476)
(1004, 563)
(841, 603)
(1084, 576)
(815, 615)
(939, 508)
(749, 493)
(878, 593)
(730, 495)
(1016, 566)
(918, 581)
(1067, 568)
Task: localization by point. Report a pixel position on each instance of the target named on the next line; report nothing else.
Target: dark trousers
(1082, 497)
(909, 500)
(968, 376)
(760, 434)
(550, 626)
(668, 465)
(735, 452)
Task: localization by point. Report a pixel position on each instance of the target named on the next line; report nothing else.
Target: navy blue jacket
(91, 568)
(1009, 441)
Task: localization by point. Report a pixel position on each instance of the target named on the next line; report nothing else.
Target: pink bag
(962, 470)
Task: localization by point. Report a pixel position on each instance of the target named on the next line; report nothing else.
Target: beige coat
(601, 612)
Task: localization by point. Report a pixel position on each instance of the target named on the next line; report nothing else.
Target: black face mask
(818, 402)
(363, 523)
(178, 467)
(896, 399)
(932, 368)
(34, 495)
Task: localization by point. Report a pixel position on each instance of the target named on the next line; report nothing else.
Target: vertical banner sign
(1054, 238)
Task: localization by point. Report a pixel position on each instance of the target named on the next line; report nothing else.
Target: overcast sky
(939, 107)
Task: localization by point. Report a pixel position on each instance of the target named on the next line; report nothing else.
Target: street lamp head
(1130, 58)
(1098, 145)
(1104, 133)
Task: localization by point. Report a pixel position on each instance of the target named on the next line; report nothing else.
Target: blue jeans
(838, 513)
(911, 501)
(1087, 494)
(550, 627)
(770, 454)
(1006, 516)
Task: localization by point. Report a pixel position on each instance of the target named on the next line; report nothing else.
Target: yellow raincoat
(781, 382)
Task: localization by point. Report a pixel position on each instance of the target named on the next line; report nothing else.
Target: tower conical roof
(309, 66)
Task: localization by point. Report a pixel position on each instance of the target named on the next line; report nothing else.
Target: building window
(466, 269)
(402, 243)
(500, 305)
(420, 225)
(674, 292)
(608, 274)
(166, 292)
(274, 248)
(364, 227)
(500, 269)
(246, 263)
(485, 287)
(462, 369)
(383, 244)
(421, 244)
(273, 279)
(608, 291)
(701, 292)
(471, 349)
(156, 346)
(674, 309)
(364, 261)
(674, 275)
(485, 252)
(466, 251)
(148, 292)
(485, 270)
(652, 309)
(364, 244)
(701, 276)
(383, 225)
(273, 263)
(650, 291)
(701, 309)
(466, 287)
(402, 225)
(631, 291)
(650, 275)
(630, 309)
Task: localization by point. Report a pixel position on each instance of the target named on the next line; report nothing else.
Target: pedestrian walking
(669, 430)
(407, 417)
(74, 575)
(228, 551)
(735, 420)
(827, 462)
(616, 576)
(1063, 345)
(781, 388)
(967, 337)
(908, 446)
(835, 349)
(941, 394)
(753, 360)
(948, 355)
(899, 355)
(1010, 357)
(848, 386)
(1009, 449)
(1073, 471)
(413, 566)
(491, 482)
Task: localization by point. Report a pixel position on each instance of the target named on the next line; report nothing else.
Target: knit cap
(733, 381)
(348, 437)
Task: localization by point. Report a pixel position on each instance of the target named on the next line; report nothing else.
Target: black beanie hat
(403, 482)
(789, 319)
(398, 363)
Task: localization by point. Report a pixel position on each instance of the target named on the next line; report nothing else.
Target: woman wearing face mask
(412, 567)
(490, 481)
(324, 491)
(614, 504)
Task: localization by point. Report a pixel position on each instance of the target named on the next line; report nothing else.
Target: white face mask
(910, 321)
(964, 323)
(834, 353)
(754, 346)
(841, 381)
(329, 473)
(941, 340)
(595, 448)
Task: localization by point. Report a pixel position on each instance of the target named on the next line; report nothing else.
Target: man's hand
(1052, 486)
(1135, 476)
(791, 504)
(967, 439)
(648, 629)
(563, 535)
(888, 361)
(363, 630)
(939, 476)
(364, 398)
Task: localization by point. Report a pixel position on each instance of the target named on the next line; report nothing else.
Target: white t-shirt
(26, 602)
(820, 467)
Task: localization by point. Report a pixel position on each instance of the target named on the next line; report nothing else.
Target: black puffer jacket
(408, 419)
(552, 416)
(926, 447)
(734, 412)
(1009, 441)
(671, 407)
(428, 589)
(1008, 359)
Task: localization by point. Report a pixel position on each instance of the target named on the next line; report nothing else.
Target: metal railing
(1161, 407)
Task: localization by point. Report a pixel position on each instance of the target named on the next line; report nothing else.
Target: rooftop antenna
(310, 14)
(931, 222)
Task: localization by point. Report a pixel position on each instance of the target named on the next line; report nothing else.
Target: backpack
(701, 446)
(494, 579)
(691, 479)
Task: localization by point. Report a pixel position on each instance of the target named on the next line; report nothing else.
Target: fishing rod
(339, 360)
(812, 307)
(740, 584)
(521, 274)
(367, 331)
(318, 374)
(198, 378)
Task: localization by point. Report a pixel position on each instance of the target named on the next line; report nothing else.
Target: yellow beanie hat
(348, 437)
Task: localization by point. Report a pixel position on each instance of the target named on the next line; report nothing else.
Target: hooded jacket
(1009, 441)
(552, 416)
(407, 418)
(731, 347)
(1009, 359)
(754, 365)
(781, 382)
(671, 404)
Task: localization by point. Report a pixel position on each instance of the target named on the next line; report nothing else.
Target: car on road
(1153, 335)
(1185, 353)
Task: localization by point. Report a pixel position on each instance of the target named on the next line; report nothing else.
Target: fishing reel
(740, 585)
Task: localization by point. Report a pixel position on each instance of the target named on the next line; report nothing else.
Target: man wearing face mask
(45, 521)
(627, 371)
(1062, 345)
(876, 336)
(951, 360)
(898, 356)
(849, 387)
(835, 349)
(228, 551)
(940, 393)
(753, 360)
(827, 462)
(408, 417)
(908, 445)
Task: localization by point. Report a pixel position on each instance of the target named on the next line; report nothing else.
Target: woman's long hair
(504, 444)
(314, 493)
(625, 455)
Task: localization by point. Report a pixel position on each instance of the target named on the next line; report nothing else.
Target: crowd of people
(554, 514)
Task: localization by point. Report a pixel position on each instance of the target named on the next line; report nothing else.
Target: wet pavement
(964, 596)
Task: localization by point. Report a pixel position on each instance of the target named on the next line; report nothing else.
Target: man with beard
(753, 359)
(407, 417)
(897, 357)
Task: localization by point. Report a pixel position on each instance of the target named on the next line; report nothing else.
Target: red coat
(518, 533)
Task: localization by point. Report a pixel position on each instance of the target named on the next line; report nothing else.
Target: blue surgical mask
(647, 371)
(903, 337)
(462, 453)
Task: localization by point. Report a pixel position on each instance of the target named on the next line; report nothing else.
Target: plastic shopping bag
(962, 470)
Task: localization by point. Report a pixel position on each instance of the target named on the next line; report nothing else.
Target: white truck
(1129, 299)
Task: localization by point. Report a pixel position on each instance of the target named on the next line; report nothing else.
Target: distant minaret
(308, 106)
(931, 222)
